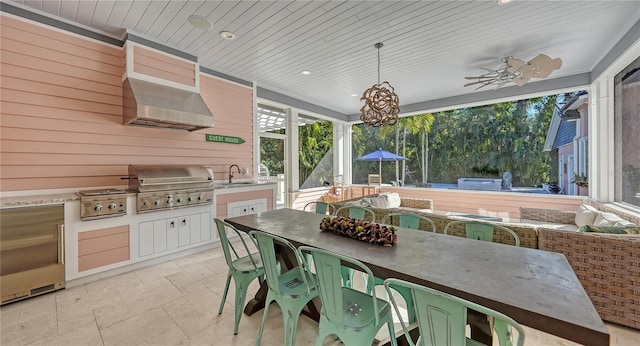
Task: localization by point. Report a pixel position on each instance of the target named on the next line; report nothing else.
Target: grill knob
(169, 200)
(157, 202)
(199, 198)
(179, 200)
(189, 199)
(97, 207)
(112, 206)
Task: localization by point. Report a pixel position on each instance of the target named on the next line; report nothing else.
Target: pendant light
(381, 103)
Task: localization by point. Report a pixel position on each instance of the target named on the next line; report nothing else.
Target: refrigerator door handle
(61, 244)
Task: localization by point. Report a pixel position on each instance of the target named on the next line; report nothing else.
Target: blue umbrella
(380, 155)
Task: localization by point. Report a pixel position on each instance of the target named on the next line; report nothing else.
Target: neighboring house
(568, 136)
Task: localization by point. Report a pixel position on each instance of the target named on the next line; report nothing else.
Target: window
(626, 139)
(315, 151)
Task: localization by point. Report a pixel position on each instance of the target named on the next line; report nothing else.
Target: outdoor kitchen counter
(20, 201)
(242, 184)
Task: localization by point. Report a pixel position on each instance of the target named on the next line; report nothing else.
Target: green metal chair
(481, 230)
(321, 207)
(355, 212)
(243, 269)
(292, 290)
(353, 316)
(442, 318)
(408, 220)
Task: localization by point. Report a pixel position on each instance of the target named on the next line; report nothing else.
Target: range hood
(153, 105)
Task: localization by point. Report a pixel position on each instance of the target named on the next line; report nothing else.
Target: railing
(279, 179)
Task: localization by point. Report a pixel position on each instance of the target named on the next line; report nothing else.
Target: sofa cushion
(610, 219)
(586, 215)
(603, 229)
(393, 199)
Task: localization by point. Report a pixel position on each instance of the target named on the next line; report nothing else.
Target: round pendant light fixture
(200, 22)
(381, 103)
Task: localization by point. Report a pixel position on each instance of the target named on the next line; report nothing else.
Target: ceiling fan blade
(541, 59)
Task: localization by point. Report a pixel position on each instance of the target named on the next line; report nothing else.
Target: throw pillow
(603, 229)
(393, 200)
(607, 219)
(586, 215)
(379, 202)
(633, 230)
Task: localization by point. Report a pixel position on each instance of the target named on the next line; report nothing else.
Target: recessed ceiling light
(227, 35)
(354, 95)
(306, 72)
(502, 2)
(200, 22)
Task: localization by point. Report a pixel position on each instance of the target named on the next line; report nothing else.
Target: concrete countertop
(220, 185)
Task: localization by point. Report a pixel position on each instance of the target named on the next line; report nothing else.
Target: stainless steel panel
(31, 250)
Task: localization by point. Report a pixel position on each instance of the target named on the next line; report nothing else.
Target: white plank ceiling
(429, 46)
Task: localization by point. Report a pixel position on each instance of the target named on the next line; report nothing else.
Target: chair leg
(224, 296)
(241, 294)
(392, 332)
(264, 319)
(291, 317)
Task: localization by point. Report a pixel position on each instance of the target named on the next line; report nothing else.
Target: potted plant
(580, 180)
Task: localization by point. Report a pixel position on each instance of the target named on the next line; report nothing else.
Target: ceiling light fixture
(200, 22)
(227, 35)
(381, 103)
(502, 2)
(306, 72)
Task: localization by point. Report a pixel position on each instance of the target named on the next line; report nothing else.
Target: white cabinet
(164, 235)
(146, 239)
(246, 207)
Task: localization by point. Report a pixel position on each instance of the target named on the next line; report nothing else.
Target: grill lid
(144, 178)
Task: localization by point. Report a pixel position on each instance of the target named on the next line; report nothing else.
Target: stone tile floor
(172, 303)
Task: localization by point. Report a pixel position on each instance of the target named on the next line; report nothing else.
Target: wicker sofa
(607, 265)
(527, 233)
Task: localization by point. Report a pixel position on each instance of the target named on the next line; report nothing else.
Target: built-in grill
(162, 187)
(102, 203)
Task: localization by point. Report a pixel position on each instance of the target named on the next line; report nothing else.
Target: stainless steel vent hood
(153, 105)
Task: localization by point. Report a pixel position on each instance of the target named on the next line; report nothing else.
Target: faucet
(231, 174)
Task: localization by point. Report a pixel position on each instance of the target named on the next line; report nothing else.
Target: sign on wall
(224, 139)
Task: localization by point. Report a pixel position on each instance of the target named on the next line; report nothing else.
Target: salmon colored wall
(223, 199)
(61, 116)
(301, 198)
(163, 66)
(101, 247)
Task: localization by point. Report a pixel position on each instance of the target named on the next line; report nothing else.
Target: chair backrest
(267, 247)
(356, 212)
(328, 271)
(320, 207)
(481, 230)
(374, 179)
(442, 318)
(408, 220)
(230, 253)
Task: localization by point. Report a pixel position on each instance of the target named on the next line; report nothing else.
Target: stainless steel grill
(162, 187)
(103, 203)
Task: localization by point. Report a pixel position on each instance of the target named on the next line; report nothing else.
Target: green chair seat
(355, 212)
(481, 230)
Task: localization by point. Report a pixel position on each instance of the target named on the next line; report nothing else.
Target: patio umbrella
(380, 155)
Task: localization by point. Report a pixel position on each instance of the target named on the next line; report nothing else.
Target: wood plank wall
(149, 62)
(61, 115)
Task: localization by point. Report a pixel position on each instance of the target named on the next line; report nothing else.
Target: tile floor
(173, 303)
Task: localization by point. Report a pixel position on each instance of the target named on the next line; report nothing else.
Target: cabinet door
(145, 241)
(184, 225)
(205, 226)
(172, 233)
(159, 236)
(195, 228)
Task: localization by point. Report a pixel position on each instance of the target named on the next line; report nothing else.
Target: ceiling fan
(517, 71)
